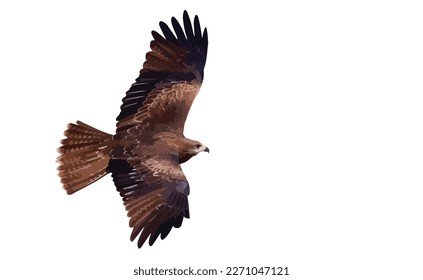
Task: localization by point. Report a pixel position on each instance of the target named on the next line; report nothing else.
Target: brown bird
(145, 154)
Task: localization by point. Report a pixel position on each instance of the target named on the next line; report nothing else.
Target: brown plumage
(145, 154)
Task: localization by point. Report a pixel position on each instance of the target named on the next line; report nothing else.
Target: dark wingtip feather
(143, 237)
(153, 238)
(205, 39)
(178, 222)
(197, 28)
(167, 32)
(165, 230)
(205, 36)
(178, 29)
(188, 26)
(157, 36)
(135, 231)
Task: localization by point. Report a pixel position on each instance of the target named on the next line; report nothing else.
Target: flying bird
(145, 153)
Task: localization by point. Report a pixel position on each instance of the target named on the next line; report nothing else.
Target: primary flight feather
(145, 153)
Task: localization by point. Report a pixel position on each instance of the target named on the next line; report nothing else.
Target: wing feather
(154, 191)
(197, 29)
(176, 57)
(188, 27)
(178, 30)
(167, 32)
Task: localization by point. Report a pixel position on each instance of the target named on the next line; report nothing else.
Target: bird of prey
(145, 153)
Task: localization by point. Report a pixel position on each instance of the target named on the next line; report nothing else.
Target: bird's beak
(206, 150)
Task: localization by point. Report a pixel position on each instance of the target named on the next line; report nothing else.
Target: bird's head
(186, 148)
(196, 147)
(190, 148)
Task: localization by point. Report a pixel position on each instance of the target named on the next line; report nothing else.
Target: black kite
(145, 154)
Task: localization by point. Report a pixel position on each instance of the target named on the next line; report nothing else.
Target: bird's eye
(198, 146)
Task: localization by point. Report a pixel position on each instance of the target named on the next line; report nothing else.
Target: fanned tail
(84, 156)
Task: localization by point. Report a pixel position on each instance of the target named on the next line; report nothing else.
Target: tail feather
(84, 156)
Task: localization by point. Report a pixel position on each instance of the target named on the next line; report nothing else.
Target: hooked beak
(206, 150)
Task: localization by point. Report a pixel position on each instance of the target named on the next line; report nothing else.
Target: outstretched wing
(171, 77)
(154, 192)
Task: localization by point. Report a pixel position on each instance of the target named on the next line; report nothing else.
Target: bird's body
(145, 153)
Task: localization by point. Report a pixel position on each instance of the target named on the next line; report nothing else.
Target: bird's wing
(171, 77)
(154, 191)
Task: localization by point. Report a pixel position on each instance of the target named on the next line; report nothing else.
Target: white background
(312, 111)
